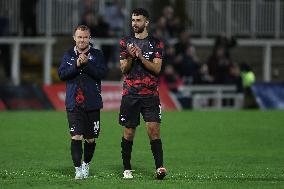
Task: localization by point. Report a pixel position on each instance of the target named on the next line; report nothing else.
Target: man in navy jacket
(82, 68)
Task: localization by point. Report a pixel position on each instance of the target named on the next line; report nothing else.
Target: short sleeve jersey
(139, 80)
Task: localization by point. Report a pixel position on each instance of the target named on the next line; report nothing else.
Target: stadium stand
(249, 31)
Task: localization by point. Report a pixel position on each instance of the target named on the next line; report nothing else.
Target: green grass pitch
(232, 149)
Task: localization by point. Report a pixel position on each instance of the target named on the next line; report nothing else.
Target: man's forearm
(126, 67)
(156, 68)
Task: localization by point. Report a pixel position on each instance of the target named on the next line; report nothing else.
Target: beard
(137, 29)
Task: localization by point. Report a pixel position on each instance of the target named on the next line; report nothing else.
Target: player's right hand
(83, 58)
(131, 50)
(78, 62)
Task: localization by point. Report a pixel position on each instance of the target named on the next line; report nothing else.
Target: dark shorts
(131, 107)
(84, 123)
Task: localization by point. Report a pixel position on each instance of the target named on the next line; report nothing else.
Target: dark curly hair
(140, 11)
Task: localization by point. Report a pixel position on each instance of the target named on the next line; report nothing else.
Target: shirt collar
(75, 49)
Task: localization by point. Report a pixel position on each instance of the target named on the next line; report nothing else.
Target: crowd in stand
(181, 65)
(188, 69)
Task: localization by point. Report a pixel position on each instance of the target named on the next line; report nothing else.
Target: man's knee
(91, 140)
(77, 137)
(129, 134)
(153, 130)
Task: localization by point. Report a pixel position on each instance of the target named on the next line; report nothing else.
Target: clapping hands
(134, 51)
(83, 59)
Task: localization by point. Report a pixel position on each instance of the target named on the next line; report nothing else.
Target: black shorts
(131, 107)
(84, 123)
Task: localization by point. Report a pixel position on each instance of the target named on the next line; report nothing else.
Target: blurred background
(219, 54)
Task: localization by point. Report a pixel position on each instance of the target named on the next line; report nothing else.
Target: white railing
(265, 44)
(49, 41)
(251, 18)
(248, 18)
(213, 96)
(15, 55)
(10, 12)
(58, 16)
